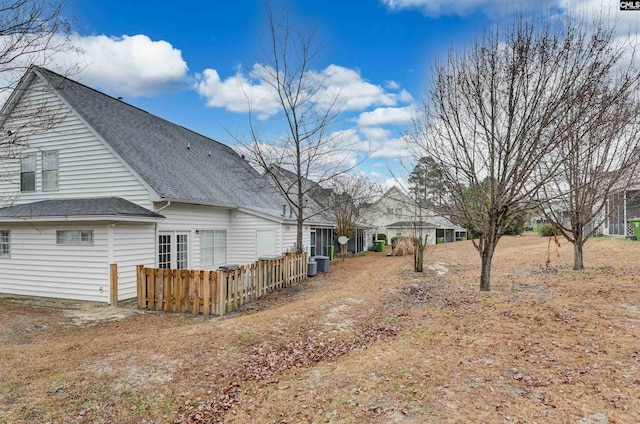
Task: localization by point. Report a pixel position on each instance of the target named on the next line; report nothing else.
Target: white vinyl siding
(289, 235)
(242, 237)
(133, 244)
(86, 166)
(213, 247)
(49, 171)
(5, 243)
(39, 267)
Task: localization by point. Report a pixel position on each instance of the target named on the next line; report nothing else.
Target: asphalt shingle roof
(177, 163)
(104, 206)
(411, 224)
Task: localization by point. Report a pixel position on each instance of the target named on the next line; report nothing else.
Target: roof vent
(188, 145)
(120, 98)
(209, 153)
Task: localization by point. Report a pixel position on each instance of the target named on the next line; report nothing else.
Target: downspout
(155, 244)
(164, 207)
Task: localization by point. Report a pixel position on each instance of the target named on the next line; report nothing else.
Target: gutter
(164, 207)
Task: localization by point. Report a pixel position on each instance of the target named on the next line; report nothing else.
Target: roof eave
(80, 218)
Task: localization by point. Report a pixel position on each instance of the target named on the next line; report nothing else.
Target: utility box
(635, 226)
(330, 251)
(323, 263)
(228, 267)
(312, 268)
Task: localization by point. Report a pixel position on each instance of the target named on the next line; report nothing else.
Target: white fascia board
(83, 218)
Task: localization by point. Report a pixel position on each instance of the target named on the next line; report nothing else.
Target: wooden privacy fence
(216, 292)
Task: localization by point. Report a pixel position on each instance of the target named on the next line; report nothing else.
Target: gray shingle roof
(411, 224)
(104, 206)
(177, 163)
(320, 197)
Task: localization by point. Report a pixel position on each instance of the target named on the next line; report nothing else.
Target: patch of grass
(140, 408)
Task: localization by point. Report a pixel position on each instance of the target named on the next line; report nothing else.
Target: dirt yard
(369, 342)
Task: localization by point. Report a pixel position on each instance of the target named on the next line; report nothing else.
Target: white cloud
(247, 91)
(394, 182)
(387, 116)
(625, 21)
(447, 7)
(391, 85)
(392, 148)
(238, 93)
(352, 91)
(380, 143)
(129, 66)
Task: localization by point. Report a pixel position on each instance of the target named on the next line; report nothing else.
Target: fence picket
(215, 292)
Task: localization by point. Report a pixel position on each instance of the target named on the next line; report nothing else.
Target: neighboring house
(109, 183)
(395, 215)
(621, 207)
(322, 221)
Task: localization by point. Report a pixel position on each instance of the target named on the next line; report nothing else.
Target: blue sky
(184, 61)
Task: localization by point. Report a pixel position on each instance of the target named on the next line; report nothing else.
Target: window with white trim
(164, 251)
(28, 172)
(74, 237)
(213, 247)
(49, 171)
(5, 243)
(181, 251)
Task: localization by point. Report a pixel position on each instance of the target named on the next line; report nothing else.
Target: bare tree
(30, 32)
(494, 111)
(602, 145)
(349, 195)
(307, 147)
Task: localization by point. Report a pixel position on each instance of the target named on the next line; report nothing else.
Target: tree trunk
(417, 259)
(299, 246)
(486, 257)
(578, 263)
(418, 254)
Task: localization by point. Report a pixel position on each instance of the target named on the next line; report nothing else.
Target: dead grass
(369, 342)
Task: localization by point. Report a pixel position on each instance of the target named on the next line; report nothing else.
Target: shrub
(516, 226)
(548, 230)
(395, 240)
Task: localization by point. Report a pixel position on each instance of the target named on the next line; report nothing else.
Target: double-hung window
(213, 247)
(28, 172)
(49, 171)
(5, 243)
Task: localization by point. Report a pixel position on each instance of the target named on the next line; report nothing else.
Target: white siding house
(395, 215)
(99, 182)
